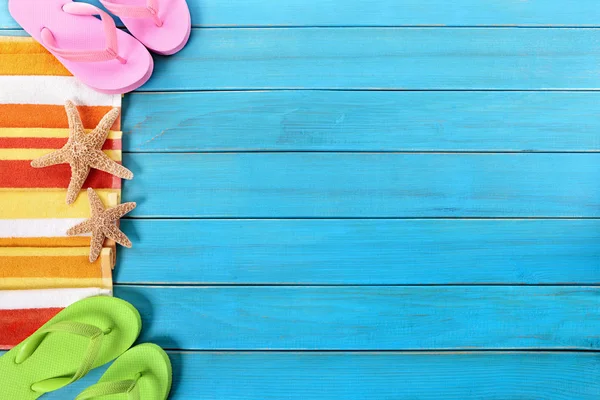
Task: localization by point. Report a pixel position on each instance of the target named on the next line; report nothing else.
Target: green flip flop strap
(128, 387)
(91, 332)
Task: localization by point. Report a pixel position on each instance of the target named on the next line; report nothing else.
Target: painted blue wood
(361, 121)
(381, 13)
(360, 252)
(367, 317)
(382, 58)
(363, 185)
(376, 376)
(383, 251)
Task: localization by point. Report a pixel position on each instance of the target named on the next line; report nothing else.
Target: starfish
(83, 151)
(102, 224)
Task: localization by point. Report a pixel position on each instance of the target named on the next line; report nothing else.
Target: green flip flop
(141, 373)
(83, 336)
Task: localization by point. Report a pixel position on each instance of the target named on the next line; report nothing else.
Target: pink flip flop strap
(110, 30)
(128, 11)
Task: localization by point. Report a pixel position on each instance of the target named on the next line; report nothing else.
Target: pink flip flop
(92, 49)
(163, 26)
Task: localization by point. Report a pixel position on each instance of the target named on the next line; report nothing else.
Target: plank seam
(480, 218)
(402, 26)
(351, 285)
(456, 351)
(364, 152)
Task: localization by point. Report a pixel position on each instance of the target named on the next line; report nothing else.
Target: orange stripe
(24, 56)
(50, 116)
(49, 267)
(48, 143)
(75, 241)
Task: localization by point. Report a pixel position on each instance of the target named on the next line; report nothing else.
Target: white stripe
(42, 227)
(46, 298)
(19, 89)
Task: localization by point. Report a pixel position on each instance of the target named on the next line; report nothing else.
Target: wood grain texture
(355, 252)
(375, 376)
(361, 121)
(368, 317)
(382, 58)
(381, 13)
(257, 185)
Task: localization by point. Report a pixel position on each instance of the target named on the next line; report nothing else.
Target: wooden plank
(278, 185)
(368, 317)
(361, 121)
(361, 252)
(375, 376)
(382, 58)
(382, 13)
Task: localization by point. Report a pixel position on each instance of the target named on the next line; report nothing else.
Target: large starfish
(84, 151)
(102, 224)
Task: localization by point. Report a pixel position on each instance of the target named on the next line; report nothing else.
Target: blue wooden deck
(386, 199)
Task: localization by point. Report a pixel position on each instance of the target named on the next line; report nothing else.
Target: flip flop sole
(79, 32)
(167, 39)
(131, 87)
(146, 364)
(59, 354)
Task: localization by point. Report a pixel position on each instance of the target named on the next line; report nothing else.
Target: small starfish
(84, 151)
(103, 224)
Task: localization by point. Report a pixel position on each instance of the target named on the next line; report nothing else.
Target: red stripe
(22, 175)
(18, 325)
(48, 143)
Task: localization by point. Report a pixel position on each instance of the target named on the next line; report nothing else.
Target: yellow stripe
(107, 257)
(69, 241)
(54, 283)
(21, 45)
(24, 56)
(46, 133)
(47, 203)
(44, 251)
(32, 154)
(31, 64)
(108, 260)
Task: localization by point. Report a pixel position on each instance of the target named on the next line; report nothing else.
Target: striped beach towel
(41, 269)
